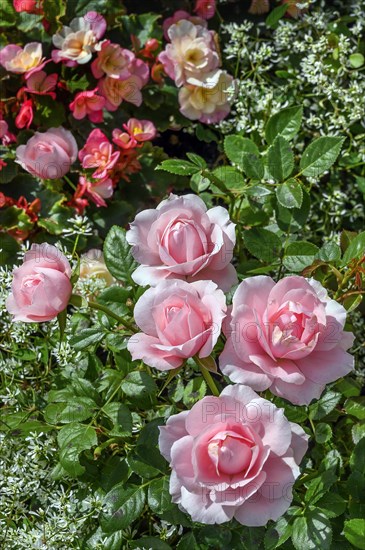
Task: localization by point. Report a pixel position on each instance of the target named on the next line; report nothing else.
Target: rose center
(231, 455)
(183, 242)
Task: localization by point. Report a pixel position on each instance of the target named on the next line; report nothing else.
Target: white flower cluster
(311, 63)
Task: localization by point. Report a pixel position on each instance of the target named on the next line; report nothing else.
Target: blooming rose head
(112, 60)
(205, 8)
(92, 265)
(287, 336)
(48, 155)
(88, 104)
(77, 42)
(181, 239)
(41, 285)
(177, 16)
(178, 320)
(192, 52)
(98, 153)
(208, 100)
(22, 60)
(233, 456)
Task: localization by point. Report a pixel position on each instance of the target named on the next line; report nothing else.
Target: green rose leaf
(280, 160)
(299, 255)
(72, 440)
(122, 505)
(290, 194)
(286, 123)
(354, 531)
(320, 155)
(117, 255)
(262, 244)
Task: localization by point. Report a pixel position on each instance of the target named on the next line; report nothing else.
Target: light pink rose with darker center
(41, 286)
(287, 336)
(178, 320)
(233, 456)
(181, 239)
(48, 155)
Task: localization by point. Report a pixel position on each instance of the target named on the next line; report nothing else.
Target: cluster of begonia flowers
(192, 60)
(233, 455)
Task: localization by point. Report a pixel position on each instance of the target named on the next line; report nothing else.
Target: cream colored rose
(208, 100)
(92, 265)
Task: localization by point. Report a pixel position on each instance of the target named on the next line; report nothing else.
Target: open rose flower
(88, 104)
(22, 60)
(98, 153)
(181, 239)
(48, 155)
(178, 320)
(208, 100)
(77, 42)
(191, 53)
(41, 286)
(233, 456)
(287, 336)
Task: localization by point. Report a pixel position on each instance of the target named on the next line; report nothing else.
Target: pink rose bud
(181, 239)
(287, 336)
(25, 115)
(233, 456)
(178, 320)
(48, 155)
(41, 286)
(205, 8)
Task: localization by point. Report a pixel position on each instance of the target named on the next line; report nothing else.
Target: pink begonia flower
(98, 153)
(112, 60)
(210, 100)
(48, 155)
(25, 116)
(42, 84)
(205, 8)
(181, 239)
(191, 53)
(28, 6)
(116, 91)
(177, 16)
(287, 336)
(22, 60)
(233, 456)
(97, 191)
(41, 286)
(178, 320)
(77, 42)
(136, 132)
(88, 104)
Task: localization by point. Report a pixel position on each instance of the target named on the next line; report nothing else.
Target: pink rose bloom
(181, 239)
(208, 100)
(48, 155)
(191, 54)
(287, 336)
(22, 60)
(25, 115)
(116, 91)
(233, 456)
(42, 84)
(178, 320)
(98, 153)
(177, 16)
(88, 104)
(205, 8)
(41, 285)
(112, 60)
(97, 191)
(77, 42)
